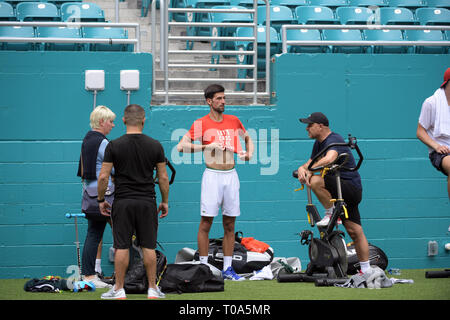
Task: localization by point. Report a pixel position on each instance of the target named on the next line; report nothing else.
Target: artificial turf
(422, 289)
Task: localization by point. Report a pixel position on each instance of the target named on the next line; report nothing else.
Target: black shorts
(352, 196)
(436, 160)
(133, 216)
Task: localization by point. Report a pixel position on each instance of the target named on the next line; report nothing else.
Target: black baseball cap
(316, 117)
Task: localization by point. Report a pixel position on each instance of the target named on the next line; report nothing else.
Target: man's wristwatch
(101, 200)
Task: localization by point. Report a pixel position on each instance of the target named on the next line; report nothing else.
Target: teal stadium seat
(343, 35)
(390, 15)
(291, 4)
(333, 4)
(306, 35)
(59, 32)
(107, 33)
(81, 12)
(425, 35)
(246, 3)
(275, 47)
(58, 3)
(410, 4)
(19, 32)
(438, 3)
(200, 17)
(14, 3)
(384, 35)
(37, 11)
(7, 12)
(368, 3)
(433, 16)
(355, 15)
(229, 17)
(279, 15)
(315, 15)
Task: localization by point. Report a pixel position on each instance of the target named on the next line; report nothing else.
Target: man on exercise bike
(325, 187)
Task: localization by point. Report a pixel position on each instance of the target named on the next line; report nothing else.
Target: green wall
(377, 98)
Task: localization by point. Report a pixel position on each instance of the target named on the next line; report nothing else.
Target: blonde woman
(90, 163)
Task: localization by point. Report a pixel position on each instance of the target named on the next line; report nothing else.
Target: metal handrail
(136, 26)
(164, 50)
(405, 43)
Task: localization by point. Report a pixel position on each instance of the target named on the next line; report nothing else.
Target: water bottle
(111, 254)
(432, 248)
(394, 271)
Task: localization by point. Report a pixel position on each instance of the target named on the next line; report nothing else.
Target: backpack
(376, 258)
(190, 277)
(136, 277)
(244, 261)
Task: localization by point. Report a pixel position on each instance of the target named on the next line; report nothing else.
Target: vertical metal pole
(153, 45)
(117, 11)
(166, 51)
(138, 37)
(267, 47)
(255, 55)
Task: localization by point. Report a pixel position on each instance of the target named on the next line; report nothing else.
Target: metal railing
(136, 41)
(285, 42)
(164, 50)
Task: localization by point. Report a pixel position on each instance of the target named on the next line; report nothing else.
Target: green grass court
(421, 289)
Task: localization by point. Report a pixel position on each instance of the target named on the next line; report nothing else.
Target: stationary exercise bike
(328, 254)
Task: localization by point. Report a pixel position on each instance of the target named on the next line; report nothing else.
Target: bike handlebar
(352, 144)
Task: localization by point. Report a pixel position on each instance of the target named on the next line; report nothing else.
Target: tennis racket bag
(244, 261)
(190, 277)
(136, 277)
(377, 257)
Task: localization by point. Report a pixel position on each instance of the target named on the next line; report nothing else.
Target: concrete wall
(377, 98)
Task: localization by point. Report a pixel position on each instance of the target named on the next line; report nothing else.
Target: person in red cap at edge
(218, 134)
(434, 127)
(325, 188)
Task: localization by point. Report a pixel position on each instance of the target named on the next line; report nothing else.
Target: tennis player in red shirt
(219, 136)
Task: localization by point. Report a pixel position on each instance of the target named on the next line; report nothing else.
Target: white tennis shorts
(220, 190)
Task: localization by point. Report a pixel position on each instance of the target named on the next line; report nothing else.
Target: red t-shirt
(226, 132)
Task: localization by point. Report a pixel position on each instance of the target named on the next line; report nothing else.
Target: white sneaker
(99, 284)
(113, 294)
(326, 220)
(155, 293)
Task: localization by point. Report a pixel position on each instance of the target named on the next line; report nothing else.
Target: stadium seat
(246, 3)
(410, 4)
(304, 34)
(279, 15)
(438, 4)
(200, 17)
(107, 33)
(343, 35)
(367, 3)
(58, 3)
(275, 47)
(333, 4)
(384, 35)
(291, 4)
(355, 15)
(81, 12)
(20, 32)
(226, 31)
(315, 15)
(433, 16)
(7, 12)
(37, 11)
(59, 32)
(390, 15)
(425, 35)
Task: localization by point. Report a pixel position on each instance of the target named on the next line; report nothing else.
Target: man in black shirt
(134, 157)
(325, 188)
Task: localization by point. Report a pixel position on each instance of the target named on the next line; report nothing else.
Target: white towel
(442, 117)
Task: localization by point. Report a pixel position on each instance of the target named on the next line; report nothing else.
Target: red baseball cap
(446, 77)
